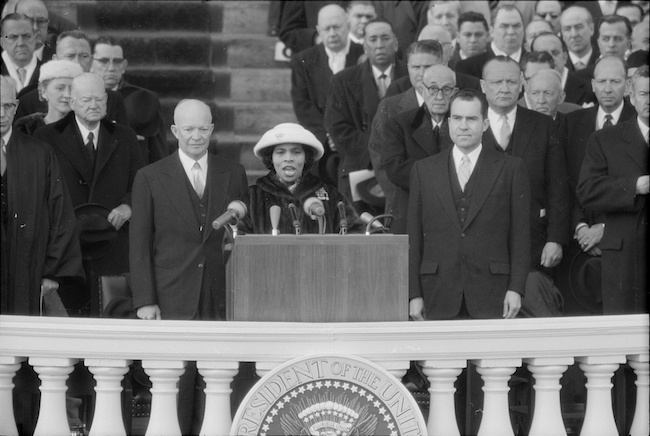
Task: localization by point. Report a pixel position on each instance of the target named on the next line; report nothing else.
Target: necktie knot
(608, 120)
(579, 65)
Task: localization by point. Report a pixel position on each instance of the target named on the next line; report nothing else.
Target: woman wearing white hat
(289, 150)
(54, 84)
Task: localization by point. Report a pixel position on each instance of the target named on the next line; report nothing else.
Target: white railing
(497, 347)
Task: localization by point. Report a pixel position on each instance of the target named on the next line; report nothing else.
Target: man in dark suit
(614, 183)
(37, 11)
(531, 136)
(74, 46)
(177, 266)
(411, 136)
(298, 23)
(473, 31)
(18, 45)
(407, 18)
(420, 56)
(354, 96)
(313, 68)
(142, 106)
(577, 28)
(612, 109)
(507, 40)
(468, 224)
(577, 90)
(98, 161)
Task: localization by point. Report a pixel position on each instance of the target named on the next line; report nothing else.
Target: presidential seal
(329, 396)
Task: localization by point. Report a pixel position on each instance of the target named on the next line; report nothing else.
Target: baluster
(217, 377)
(164, 376)
(8, 367)
(496, 413)
(52, 416)
(599, 416)
(641, 422)
(397, 369)
(263, 368)
(442, 411)
(108, 374)
(547, 417)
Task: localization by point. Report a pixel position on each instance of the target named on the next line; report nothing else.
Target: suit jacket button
(200, 265)
(462, 235)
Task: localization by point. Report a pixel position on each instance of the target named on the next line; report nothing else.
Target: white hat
(289, 133)
(59, 69)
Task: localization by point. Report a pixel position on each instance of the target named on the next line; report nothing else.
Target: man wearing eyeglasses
(142, 106)
(18, 45)
(417, 133)
(99, 160)
(36, 10)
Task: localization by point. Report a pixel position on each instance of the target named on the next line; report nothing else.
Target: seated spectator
(360, 13)
(74, 46)
(577, 28)
(18, 45)
(473, 31)
(533, 29)
(142, 106)
(54, 88)
(37, 11)
(288, 151)
(311, 73)
(577, 90)
(549, 11)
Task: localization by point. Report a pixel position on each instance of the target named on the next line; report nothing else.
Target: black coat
(578, 90)
(269, 191)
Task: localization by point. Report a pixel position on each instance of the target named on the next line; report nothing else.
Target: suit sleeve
(597, 190)
(398, 165)
(141, 237)
(339, 122)
(307, 113)
(415, 232)
(519, 239)
(557, 189)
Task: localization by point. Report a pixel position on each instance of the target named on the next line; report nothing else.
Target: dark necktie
(608, 121)
(381, 85)
(89, 146)
(436, 132)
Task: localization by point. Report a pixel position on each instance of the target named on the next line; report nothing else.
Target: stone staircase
(215, 51)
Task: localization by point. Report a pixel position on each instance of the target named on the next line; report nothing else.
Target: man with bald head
(177, 266)
(98, 161)
(313, 68)
(417, 133)
(544, 94)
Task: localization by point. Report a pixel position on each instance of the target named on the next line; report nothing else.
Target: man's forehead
(17, 25)
(508, 17)
(439, 76)
(502, 69)
(379, 28)
(543, 42)
(362, 9)
(613, 28)
(608, 69)
(548, 6)
(107, 48)
(419, 59)
(32, 9)
(69, 43)
(544, 83)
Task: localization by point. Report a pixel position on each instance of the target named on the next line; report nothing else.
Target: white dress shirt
(584, 59)
(376, 73)
(496, 121)
(189, 162)
(337, 58)
(473, 157)
(85, 132)
(643, 127)
(12, 69)
(515, 56)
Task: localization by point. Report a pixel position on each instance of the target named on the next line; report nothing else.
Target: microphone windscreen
(366, 218)
(274, 213)
(239, 207)
(313, 206)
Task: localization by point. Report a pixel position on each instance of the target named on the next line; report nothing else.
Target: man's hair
(613, 19)
(500, 59)
(360, 3)
(590, 18)
(472, 17)
(553, 73)
(108, 40)
(469, 94)
(630, 5)
(381, 20)
(16, 16)
(428, 46)
(438, 2)
(537, 57)
(76, 34)
(565, 49)
(641, 73)
(505, 7)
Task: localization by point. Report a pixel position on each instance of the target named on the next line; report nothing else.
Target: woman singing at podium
(289, 199)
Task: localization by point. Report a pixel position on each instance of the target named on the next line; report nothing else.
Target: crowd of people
(508, 140)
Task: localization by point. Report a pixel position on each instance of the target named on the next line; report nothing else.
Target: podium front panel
(318, 278)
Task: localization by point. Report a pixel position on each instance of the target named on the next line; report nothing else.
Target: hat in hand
(96, 234)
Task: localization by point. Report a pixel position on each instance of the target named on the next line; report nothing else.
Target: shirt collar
(616, 114)
(643, 127)
(575, 58)
(516, 55)
(495, 118)
(376, 72)
(188, 162)
(473, 156)
(419, 98)
(84, 132)
(565, 75)
(343, 52)
(7, 136)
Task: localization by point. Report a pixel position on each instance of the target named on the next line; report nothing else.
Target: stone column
(52, 416)
(108, 420)
(164, 376)
(442, 411)
(217, 376)
(547, 417)
(496, 411)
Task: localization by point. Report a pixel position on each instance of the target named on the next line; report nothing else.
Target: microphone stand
(370, 230)
(294, 217)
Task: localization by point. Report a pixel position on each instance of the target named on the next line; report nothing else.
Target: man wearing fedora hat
(143, 110)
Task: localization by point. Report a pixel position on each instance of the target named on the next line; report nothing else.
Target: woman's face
(289, 161)
(57, 94)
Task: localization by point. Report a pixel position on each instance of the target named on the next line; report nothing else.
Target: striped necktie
(464, 172)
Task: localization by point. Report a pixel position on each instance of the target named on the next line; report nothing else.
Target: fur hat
(58, 69)
(289, 133)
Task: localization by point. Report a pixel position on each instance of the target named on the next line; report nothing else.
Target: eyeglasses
(105, 61)
(8, 107)
(13, 38)
(86, 101)
(446, 90)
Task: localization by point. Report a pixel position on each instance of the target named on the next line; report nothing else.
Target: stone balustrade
(496, 347)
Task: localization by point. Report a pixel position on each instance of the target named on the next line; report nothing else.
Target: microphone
(372, 223)
(236, 210)
(274, 212)
(314, 207)
(344, 219)
(294, 216)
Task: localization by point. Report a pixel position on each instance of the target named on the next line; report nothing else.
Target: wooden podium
(318, 278)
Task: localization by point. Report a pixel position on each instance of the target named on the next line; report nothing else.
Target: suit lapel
(521, 132)
(106, 145)
(369, 90)
(423, 131)
(487, 169)
(218, 182)
(441, 177)
(635, 145)
(174, 181)
(70, 145)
